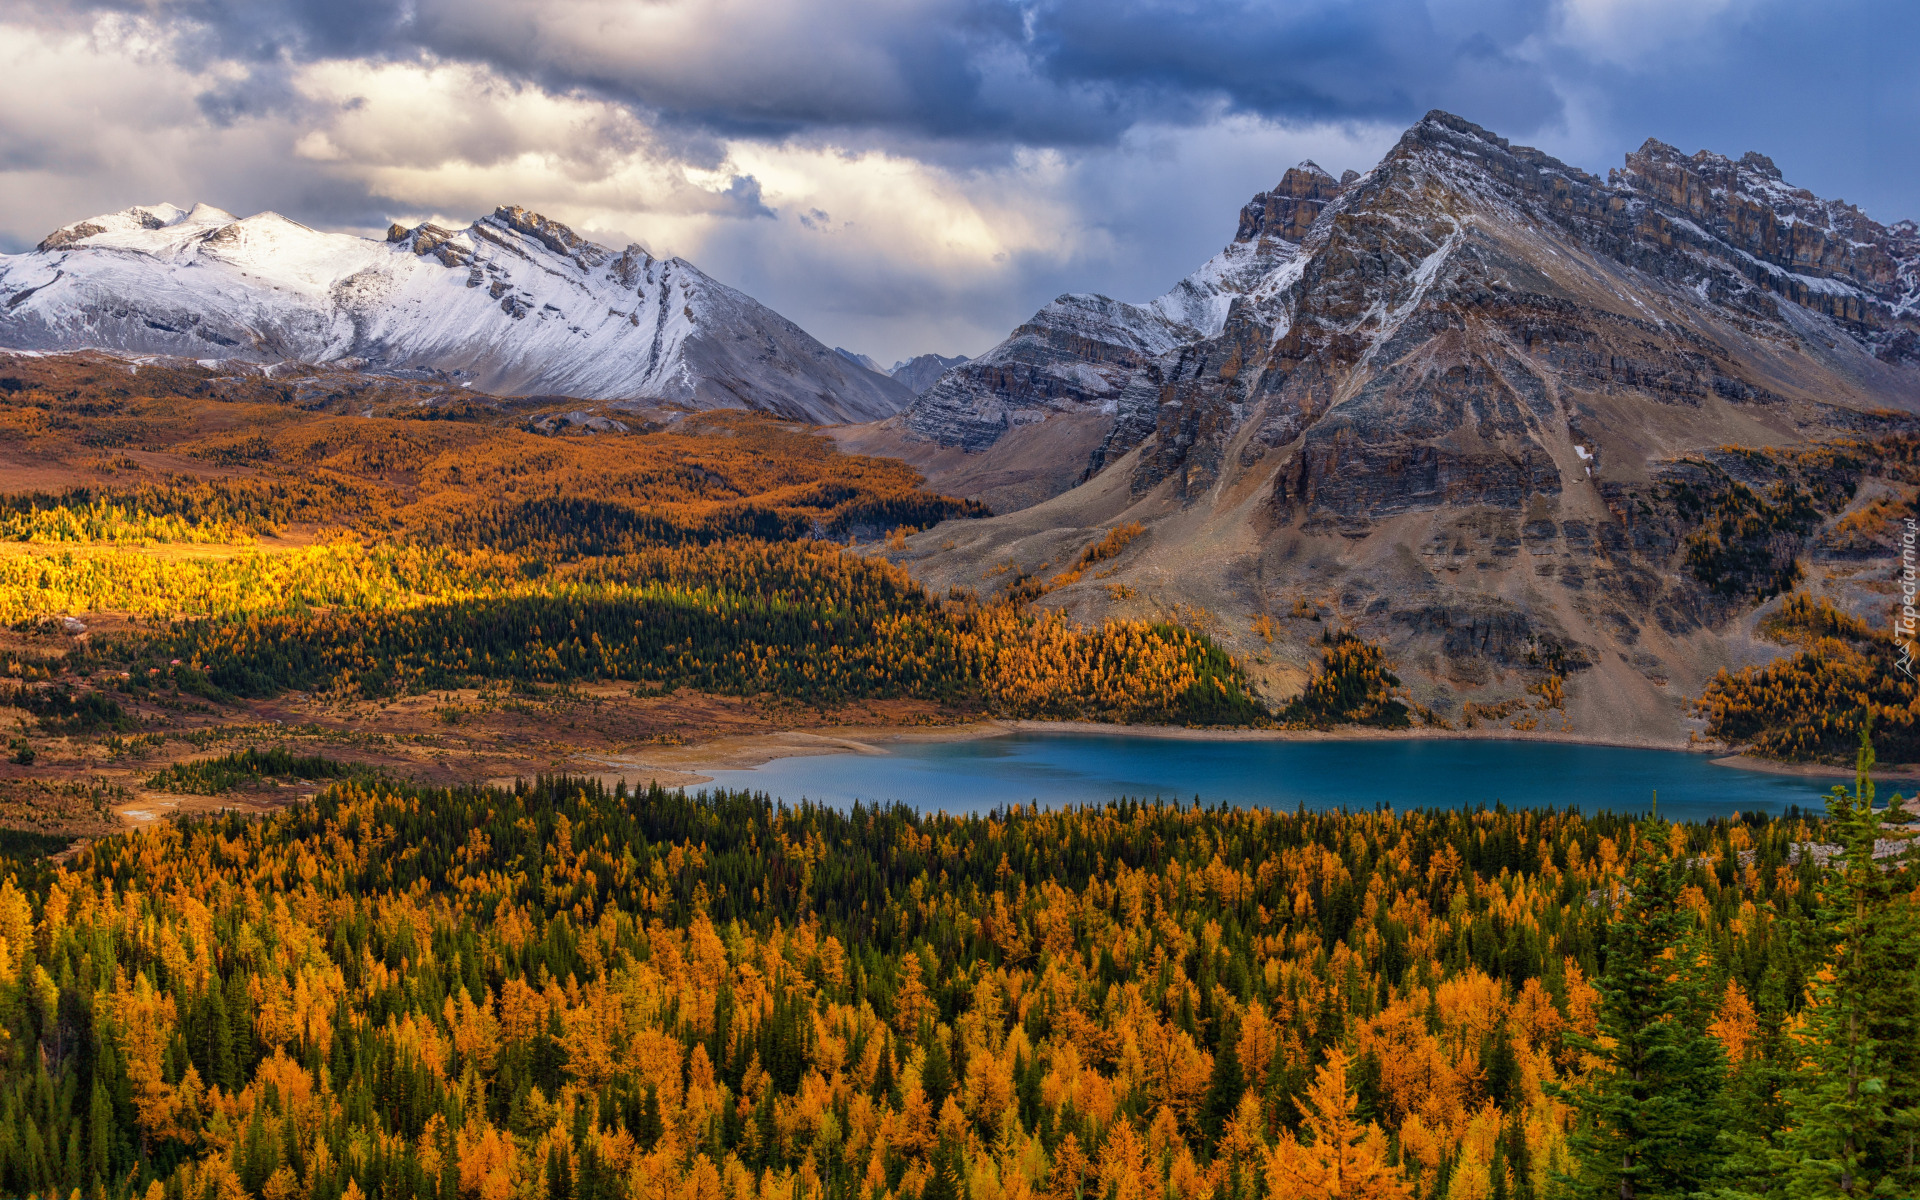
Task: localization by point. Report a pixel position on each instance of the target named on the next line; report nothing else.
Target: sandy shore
(689, 766)
(1747, 762)
(692, 765)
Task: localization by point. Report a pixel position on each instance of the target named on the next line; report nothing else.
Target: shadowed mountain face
(514, 303)
(1439, 392)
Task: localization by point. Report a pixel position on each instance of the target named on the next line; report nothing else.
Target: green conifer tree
(1649, 1113)
(1854, 1105)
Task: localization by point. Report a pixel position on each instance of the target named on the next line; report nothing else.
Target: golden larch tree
(1336, 1156)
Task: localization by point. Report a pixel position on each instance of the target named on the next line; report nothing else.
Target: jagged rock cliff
(1435, 399)
(514, 303)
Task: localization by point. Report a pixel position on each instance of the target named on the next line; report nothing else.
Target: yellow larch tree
(1337, 1156)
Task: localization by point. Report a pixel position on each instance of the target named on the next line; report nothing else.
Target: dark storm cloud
(1034, 72)
(1303, 61)
(958, 77)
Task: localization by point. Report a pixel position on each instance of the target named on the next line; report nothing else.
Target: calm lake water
(1063, 769)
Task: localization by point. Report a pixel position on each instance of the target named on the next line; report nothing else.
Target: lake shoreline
(692, 765)
(1748, 762)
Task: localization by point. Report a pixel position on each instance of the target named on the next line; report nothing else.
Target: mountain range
(513, 303)
(1474, 403)
(1452, 402)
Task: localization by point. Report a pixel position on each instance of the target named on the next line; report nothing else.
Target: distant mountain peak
(922, 370)
(1451, 394)
(1291, 208)
(860, 360)
(1327, 282)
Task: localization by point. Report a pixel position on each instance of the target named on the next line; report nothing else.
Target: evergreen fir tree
(651, 1126)
(1224, 1088)
(944, 1184)
(1854, 1105)
(1650, 1111)
(936, 1076)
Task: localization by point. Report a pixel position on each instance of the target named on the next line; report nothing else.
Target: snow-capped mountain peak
(513, 303)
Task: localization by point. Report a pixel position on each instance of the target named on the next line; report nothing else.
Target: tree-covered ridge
(485, 480)
(1812, 703)
(569, 992)
(805, 621)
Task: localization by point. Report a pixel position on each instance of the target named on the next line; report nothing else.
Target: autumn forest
(566, 992)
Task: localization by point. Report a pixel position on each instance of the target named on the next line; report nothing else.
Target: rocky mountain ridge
(1452, 401)
(514, 303)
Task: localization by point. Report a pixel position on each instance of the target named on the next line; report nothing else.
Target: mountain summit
(1447, 399)
(514, 303)
(1329, 284)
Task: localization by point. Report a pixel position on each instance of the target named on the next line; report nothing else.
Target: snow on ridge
(512, 303)
(1203, 299)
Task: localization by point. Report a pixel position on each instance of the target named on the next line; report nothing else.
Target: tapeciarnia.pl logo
(1907, 623)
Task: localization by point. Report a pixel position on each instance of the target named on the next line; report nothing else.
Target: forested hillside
(262, 544)
(566, 992)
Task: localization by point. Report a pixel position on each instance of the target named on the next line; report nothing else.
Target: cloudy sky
(903, 175)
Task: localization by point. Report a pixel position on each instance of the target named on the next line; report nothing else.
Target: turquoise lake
(1066, 769)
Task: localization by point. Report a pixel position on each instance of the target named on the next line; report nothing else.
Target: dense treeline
(799, 620)
(144, 516)
(568, 992)
(1355, 684)
(212, 776)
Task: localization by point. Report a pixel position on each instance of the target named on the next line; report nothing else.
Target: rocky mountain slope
(514, 304)
(1451, 401)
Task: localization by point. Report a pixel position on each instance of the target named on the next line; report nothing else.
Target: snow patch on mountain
(1202, 300)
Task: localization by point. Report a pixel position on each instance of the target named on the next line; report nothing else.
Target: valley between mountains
(1471, 443)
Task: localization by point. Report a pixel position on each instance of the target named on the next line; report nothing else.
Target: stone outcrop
(1291, 208)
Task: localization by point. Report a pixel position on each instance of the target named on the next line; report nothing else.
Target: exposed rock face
(1782, 238)
(863, 361)
(515, 303)
(1291, 208)
(1454, 382)
(1078, 353)
(1453, 294)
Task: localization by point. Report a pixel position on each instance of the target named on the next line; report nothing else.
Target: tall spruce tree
(1853, 1106)
(1649, 1112)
